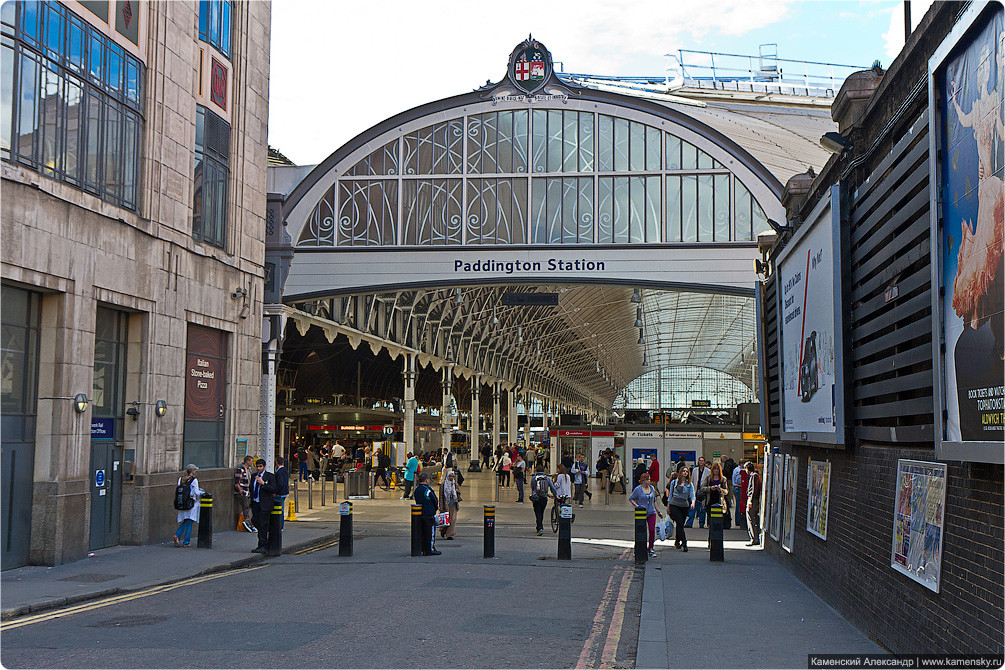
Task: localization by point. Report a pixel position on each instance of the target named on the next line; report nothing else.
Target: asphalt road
(379, 608)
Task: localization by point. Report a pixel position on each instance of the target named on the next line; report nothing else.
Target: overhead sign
(388, 430)
(723, 436)
(809, 328)
(528, 299)
(701, 403)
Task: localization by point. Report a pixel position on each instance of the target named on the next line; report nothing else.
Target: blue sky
(339, 68)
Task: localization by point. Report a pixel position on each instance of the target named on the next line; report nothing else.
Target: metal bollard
(607, 489)
(641, 536)
(322, 489)
(345, 529)
(715, 550)
(489, 550)
(310, 493)
(335, 486)
(296, 498)
(275, 546)
(565, 533)
(205, 540)
(416, 530)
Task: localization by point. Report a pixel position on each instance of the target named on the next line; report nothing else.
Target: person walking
(302, 457)
(411, 467)
(563, 485)
(519, 469)
(263, 492)
(739, 496)
(680, 500)
(716, 492)
(242, 481)
(617, 474)
(188, 517)
(282, 487)
(753, 505)
(654, 473)
(425, 497)
(699, 476)
(486, 456)
(540, 485)
(645, 497)
(505, 462)
(450, 500)
(580, 471)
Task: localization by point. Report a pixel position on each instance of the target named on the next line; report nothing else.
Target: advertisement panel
(968, 199)
(918, 518)
(809, 328)
(777, 481)
(789, 508)
(819, 495)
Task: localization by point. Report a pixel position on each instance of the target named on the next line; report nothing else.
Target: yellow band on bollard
(640, 514)
(416, 510)
(209, 504)
(278, 509)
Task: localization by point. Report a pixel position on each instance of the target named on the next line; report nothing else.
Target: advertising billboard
(967, 154)
(809, 328)
(918, 521)
(819, 482)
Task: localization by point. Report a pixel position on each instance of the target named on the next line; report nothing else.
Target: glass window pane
(605, 210)
(504, 146)
(570, 142)
(520, 141)
(605, 144)
(7, 10)
(6, 96)
(113, 68)
(742, 211)
(585, 210)
(637, 218)
(27, 125)
(654, 146)
(30, 11)
(704, 161)
(705, 208)
(130, 159)
(689, 208)
(132, 84)
(112, 152)
(96, 54)
(518, 216)
(200, 128)
(225, 28)
(93, 137)
(554, 140)
(760, 221)
(653, 209)
(673, 152)
(688, 156)
(214, 22)
(539, 211)
(554, 211)
(621, 141)
(586, 142)
(621, 210)
(570, 215)
(540, 130)
(721, 207)
(637, 150)
(54, 30)
(673, 209)
(52, 111)
(75, 44)
(204, 19)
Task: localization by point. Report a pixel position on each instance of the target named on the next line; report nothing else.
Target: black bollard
(715, 551)
(490, 532)
(416, 530)
(565, 533)
(275, 546)
(310, 493)
(641, 536)
(205, 540)
(322, 489)
(345, 529)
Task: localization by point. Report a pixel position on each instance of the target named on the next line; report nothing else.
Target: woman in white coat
(186, 517)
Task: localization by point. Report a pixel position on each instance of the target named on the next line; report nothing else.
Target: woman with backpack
(187, 503)
(540, 484)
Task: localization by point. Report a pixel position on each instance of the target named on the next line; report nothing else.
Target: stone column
(476, 383)
(272, 336)
(495, 415)
(526, 428)
(445, 423)
(409, 404)
(512, 425)
(546, 423)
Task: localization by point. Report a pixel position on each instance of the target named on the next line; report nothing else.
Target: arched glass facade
(542, 176)
(678, 385)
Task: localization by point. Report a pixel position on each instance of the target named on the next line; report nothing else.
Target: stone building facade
(133, 177)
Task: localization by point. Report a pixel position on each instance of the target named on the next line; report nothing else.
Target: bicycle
(555, 514)
(396, 476)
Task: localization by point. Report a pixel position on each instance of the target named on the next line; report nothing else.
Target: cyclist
(540, 484)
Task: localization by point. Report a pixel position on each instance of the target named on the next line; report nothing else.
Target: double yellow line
(114, 600)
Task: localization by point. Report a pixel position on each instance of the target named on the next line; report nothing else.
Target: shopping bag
(442, 519)
(661, 531)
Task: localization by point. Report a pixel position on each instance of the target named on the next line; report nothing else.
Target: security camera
(238, 292)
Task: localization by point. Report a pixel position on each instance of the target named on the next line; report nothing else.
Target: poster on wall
(965, 96)
(789, 507)
(819, 495)
(809, 328)
(918, 518)
(777, 480)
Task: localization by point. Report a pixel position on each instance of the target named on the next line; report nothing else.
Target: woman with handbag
(716, 490)
(449, 502)
(679, 496)
(645, 497)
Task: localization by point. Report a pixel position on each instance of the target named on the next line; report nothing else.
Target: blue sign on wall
(689, 456)
(99, 478)
(102, 429)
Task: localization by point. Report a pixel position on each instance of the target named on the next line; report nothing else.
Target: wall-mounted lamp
(80, 403)
(160, 408)
(835, 142)
(134, 411)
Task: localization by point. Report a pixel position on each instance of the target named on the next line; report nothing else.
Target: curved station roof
(546, 232)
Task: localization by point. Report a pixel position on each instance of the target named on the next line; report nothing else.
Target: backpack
(183, 499)
(540, 487)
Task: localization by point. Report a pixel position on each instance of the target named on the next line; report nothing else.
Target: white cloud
(339, 68)
(893, 39)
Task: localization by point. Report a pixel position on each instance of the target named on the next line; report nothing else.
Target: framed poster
(967, 195)
(918, 521)
(766, 489)
(777, 482)
(810, 342)
(789, 507)
(819, 475)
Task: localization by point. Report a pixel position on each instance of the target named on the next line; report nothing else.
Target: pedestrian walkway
(745, 612)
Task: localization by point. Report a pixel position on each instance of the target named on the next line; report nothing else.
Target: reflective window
(541, 176)
(212, 171)
(70, 101)
(214, 24)
(18, 351)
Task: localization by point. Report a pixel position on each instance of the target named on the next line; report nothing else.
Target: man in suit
(700, 474)
(282, 486)
(263, 491)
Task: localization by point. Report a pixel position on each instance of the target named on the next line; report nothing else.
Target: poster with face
(777, 480)
(918, 521)
(819, 495)
(789, 514)
(969, 90)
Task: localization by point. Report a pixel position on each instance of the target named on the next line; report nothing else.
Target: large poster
(918, 521)
(789, 509)
(819, 496)
(809, 328)
(970, 241)
(777, 479)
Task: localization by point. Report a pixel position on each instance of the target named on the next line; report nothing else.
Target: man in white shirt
(700, 474)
